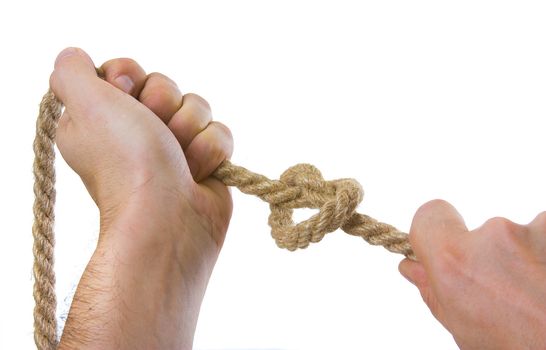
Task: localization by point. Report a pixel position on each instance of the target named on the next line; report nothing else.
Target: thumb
(74, 78)
(104, 134)
(436, 226)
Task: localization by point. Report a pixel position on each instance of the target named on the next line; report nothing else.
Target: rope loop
(336, 201)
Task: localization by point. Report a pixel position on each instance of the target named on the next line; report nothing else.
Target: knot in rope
(336, 201)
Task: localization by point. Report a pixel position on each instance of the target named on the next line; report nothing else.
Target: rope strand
(301, 186)
(45, 323)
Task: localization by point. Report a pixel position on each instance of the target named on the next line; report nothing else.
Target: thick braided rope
(301, 186)
(45, 323)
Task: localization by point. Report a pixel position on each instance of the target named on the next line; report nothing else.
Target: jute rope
(301, 186)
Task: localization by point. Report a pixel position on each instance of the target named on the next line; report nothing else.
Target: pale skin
(146, 153)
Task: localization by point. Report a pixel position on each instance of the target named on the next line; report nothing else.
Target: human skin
(145, 153)
(486, 286)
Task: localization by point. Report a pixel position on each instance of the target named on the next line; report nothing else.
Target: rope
(45, 323)
(301, 186)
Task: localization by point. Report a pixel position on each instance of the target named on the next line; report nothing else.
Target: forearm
(130, 300)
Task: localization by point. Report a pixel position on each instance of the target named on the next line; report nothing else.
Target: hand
(145, 153)
(486, 286)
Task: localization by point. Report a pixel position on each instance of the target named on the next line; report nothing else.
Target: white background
(415, 99)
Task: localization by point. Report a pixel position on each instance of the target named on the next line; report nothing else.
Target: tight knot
(336, 201)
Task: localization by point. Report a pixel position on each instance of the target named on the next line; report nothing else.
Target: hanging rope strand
(301, 186)
(45, 323)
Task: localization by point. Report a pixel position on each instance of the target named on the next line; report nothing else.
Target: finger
(219, 205)
(75, 78)
(161, 95)
(192, 118)
(414, 272)
(538, 223)
(208, 149)
(537, 234)
(435, 229)
(125, 74)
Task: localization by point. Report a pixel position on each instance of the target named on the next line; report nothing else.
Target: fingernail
(124, 83)
(66, 53)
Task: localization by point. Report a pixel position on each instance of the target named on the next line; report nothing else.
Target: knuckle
(198, 101)
(222, 128)
(542, 215)
(503, 231)
(126, 61)
(226, 134)
(155, 76)
(540, 220)
(159, 78)
(223, 140)
(157, 96)
(499, 224)
(116, 65)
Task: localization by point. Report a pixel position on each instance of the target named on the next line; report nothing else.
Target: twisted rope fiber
(45, 323)
(301, 186)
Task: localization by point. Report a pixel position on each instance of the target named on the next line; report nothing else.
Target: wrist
(154, 238)
(154, 218)
(143, 279)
